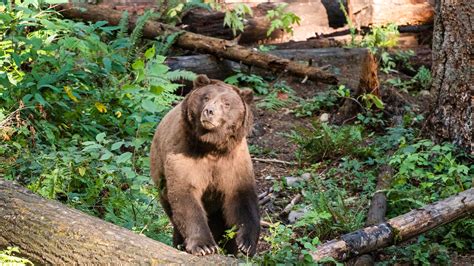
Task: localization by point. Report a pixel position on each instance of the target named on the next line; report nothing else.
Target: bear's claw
(201, 249)
(246, 246)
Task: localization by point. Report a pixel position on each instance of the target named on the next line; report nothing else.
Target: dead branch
(398, 229)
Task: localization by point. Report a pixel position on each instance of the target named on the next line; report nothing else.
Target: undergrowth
(79, 104)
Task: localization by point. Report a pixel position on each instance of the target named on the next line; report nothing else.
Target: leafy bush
(280, 95)
(80, 103)
(279, 19)
(234, 18)
(321, 101)
(255, 82)
(323, 141)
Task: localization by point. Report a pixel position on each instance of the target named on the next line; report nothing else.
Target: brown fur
(200, 161)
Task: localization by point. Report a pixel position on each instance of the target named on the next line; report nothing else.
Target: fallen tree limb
(398, 229)
(377, 208)
(196, 42)
(347, 63)
(378, 204)
(48, 232)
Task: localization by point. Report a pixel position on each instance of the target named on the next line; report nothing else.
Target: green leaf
(149, 106)
(100, 137)
(124, 157)
(158, 69)
(157, 90)
(150, 53)
(107, 155)
(107, 64)
(40, 99)
(117, 145)
(138, 65)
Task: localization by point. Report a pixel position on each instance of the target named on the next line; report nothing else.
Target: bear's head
(217, 115)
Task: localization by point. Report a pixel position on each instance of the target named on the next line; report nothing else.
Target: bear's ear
(200, 81)
(247, 95)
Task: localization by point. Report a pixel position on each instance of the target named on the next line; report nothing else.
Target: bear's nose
(208, 112)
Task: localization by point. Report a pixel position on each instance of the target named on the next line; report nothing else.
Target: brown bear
(201, 164)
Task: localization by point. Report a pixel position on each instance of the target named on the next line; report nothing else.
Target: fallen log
(211, 23)
(50, 233)
(346, 63)
(196, 42)
(398, 229)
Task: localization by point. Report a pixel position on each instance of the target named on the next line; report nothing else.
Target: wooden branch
(196, 42)
(377, 208)
(51, 233)
(273, 161)
(295, 200)
(378, 204)
(398, 229)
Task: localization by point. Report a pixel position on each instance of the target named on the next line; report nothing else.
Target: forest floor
(269, 140)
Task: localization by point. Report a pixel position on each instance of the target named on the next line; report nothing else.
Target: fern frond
(123, 25)
(180, 75)
(137, 33)
(164, 43)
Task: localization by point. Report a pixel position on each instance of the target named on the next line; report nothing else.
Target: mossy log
(203, 44)
(398, 229)
(48, 232)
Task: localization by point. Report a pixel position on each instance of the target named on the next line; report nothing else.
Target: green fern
(123, 25)
(164, 43)
(137, 34)
(180, 75)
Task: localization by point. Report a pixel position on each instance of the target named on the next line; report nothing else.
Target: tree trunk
(48, 232)
(195, 42)
(398, 229)
(368, 83)
(453, 85)
(382, 12)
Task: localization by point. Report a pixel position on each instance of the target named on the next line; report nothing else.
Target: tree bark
(398, 229)
(195, 42)
(48, 232)
(453, 86)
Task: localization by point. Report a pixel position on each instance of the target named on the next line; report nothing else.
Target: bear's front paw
(200, 246)
(247, 242)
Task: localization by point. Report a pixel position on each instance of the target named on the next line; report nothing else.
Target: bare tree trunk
(453, 85)
(51, 233)
(196, 42)
(398, 229)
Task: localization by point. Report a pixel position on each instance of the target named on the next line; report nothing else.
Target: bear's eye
(206, 98)
(227, 104)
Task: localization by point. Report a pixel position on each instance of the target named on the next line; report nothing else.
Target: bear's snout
(210, 116)
(208, 112)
